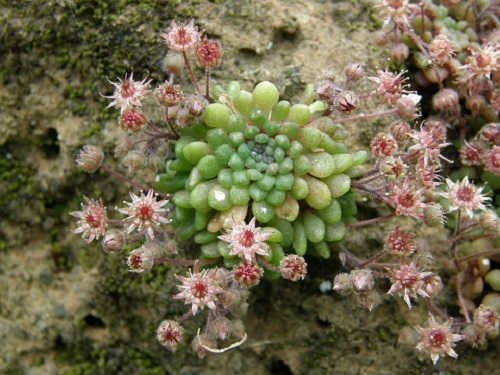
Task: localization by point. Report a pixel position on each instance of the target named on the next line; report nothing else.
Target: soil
(67, 308)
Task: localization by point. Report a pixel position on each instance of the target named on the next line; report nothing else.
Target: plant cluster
(255, 184)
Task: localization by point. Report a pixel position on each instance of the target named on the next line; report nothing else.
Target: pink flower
(408, 280)
(245, 240)
(199, 289)
(397, 11)
(406, 199)
(128, 92)
(438, 339)
(429, 141)
(93, 219)
(465, 195)
(144, 211)
(390, 85)
(182, 36)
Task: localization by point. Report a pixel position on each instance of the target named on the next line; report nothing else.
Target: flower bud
(369, 299)
(229, 298)
(140, 260)
(354, 72)
(380, 38)
(135, 160)
(247, 274)
(132, 120)
(407, 107)
(221, 327)
(399, 52)
(486, 318)
(432, 285)
(489, 221)
(204, 340)
(195, 104)
(173, 63)
(433, 216)
(342, 283)
(89, 158)
(170, 333)
(362, 279)
(238, 328)
(208, 53)
(113, 242)
(346, 102)
(475, 103)
(446, 101)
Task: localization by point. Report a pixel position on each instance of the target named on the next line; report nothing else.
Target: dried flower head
(441, 49)
(469, 154)
(293, 267)
(245, 240)
(484, 61)
(346, 102)
(400, 242)
(383, 145)
(144, 211)
(182, 36)
(169, 94)
(492, 160)
(93, 219)
(491, 133)
(438, 339)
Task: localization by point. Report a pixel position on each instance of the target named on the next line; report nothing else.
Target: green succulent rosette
(255, 156)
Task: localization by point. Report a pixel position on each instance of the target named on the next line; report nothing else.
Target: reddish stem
(385, 112)
(370, 221)
(191, 74)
